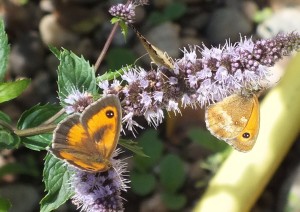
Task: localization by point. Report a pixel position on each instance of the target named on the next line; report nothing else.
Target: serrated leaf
(75, 73)
(8, 140)
(56, 179)
(152, 147)
(11, 90)
(55, 51)
(174, 201)
(4, 51)
(5, 204)
(142, 184)
(172, 174)
(132, 146)
(33, 118)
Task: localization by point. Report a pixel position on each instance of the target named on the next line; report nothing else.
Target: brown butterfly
(157, 56)
(88, 140)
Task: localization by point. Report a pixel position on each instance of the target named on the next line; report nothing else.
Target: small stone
(52, 33)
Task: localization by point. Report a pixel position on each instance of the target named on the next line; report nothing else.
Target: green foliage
(110, 75)
(4, 117)
(152, 148)
(8, 140)
(11, 90)
(174, 201)
(5, 205)
(122, 24)
(132, 146)
(142, 183)
(35, 117)
(171, 173)
(117, 57)
(56, 177)
(172, 12)
(4, 51)
(207, 140)
(74, 73)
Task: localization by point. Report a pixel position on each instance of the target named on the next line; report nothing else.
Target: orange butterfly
(235, 120)
(88, 140)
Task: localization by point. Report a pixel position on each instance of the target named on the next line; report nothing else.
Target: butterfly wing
(102, 121)
(247, 137)
(157, 56)
(88, 141)
(71, 143)
(229, 119)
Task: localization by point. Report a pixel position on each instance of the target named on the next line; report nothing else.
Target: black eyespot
(246, 135)
(110, 114)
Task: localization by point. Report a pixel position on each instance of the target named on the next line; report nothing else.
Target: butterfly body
(87, 141)
(235, 120)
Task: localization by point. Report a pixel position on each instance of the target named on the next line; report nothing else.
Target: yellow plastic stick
(243, 176)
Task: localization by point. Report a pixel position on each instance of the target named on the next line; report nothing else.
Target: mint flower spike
(77, 101)
(100, 191)
(202, 76)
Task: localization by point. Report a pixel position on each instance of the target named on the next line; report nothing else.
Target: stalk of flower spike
(199, 80)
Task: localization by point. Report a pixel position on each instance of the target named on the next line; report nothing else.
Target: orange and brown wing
(102, 121)
(71, 143)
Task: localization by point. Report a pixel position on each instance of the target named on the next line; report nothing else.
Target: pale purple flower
(201, 77)
(77, 101)
(100, 191)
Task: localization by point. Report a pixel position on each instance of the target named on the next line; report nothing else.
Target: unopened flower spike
(126, 12)
(100, 191)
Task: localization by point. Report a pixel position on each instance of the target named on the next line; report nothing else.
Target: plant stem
(35, 130)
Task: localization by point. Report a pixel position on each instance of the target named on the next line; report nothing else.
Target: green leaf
(55, 51)
(207, 140)
(175, 11)
(172, 174)
(142, 184)
(11, 90)
(33, 118)
(8, 140)
(56, 179)
(37, 115)
(132, 146)
(110, 75)
(174, 201)
(75, 73)
(117, 57)
(4, 117)
(4, 51)
(152, 147)
(37, 142)
(5, 205)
